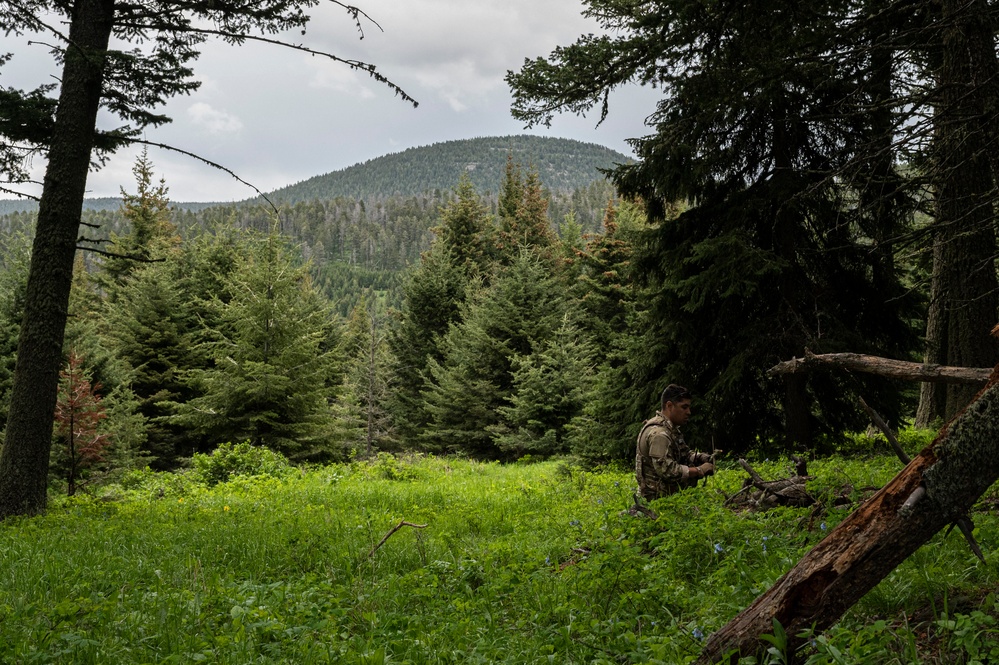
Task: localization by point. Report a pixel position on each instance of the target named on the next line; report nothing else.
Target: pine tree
(151, 236)
(528, 224)
(764, 127)
(465, 229)
(433, 297)
(78, 415)
(365, 384)
(270, 383)
(548, 389)
(514, 315)
(154, 329)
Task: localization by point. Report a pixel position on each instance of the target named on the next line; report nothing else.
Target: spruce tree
(155, 331)
(270, 379)
(433, 297)
(761, 130)
(466, 229)
(511, 318)
(360, 407)
(548, 390)
(151, 235)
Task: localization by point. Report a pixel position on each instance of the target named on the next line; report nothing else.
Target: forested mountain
(562, 164)
(365, 240)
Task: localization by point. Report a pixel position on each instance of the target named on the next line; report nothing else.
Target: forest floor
(519, 563)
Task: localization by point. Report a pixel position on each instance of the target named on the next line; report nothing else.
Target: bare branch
(366, 67)
(393, 530)
(205, 161)
(130, 257)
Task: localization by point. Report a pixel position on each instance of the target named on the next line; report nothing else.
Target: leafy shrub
(241, 459)
(390, 467)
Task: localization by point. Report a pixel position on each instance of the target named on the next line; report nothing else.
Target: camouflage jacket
(662, 458)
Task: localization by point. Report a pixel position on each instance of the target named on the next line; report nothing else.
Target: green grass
(517, 563)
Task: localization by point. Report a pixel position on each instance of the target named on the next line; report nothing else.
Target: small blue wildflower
(617, 484)
(719, 548)
(574, 523)
(548, 561)
(698, 634)
(600, 502)
(653, 623)
(823, 526)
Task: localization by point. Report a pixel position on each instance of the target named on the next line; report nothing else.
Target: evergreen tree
(466, 229)
(514, 315)
(608, 306)
(155, 331)
(365, 383)
(13, 283)
(767, 260)
(270, 382)
(433, 297)
(151, 236)
(548, 389)
(528, 224)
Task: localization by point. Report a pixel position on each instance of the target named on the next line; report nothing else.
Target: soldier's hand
(707, 469)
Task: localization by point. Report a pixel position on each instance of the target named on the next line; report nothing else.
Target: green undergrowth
(522, 563)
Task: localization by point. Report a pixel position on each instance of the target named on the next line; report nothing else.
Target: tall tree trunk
(960, 465)
(964, 287)
(24, 459)
(932, 396)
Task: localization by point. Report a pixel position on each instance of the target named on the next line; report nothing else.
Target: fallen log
(887, 367)
(936, 488)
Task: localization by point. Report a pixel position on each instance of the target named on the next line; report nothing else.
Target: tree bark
(964, 286)
(878, 536)
(24, 459)
(886, 367)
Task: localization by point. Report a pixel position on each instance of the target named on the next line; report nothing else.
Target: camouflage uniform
(662, 458)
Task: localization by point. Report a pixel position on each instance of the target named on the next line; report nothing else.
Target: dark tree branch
(887, 367)
(204, 161)
(113, 255)
(366, 67)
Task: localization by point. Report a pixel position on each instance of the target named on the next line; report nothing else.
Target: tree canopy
(127, 59)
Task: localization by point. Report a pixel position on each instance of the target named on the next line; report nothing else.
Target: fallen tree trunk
(887, 367)
(936, 488)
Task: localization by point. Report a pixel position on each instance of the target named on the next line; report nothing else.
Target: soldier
(663, 463)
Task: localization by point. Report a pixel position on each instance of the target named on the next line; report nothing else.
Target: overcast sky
(275, 116)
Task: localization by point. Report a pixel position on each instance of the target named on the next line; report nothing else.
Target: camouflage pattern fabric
(662, 458)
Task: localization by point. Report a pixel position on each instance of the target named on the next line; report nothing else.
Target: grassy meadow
(521, 563)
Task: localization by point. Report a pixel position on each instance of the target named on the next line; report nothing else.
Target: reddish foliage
(77, 415)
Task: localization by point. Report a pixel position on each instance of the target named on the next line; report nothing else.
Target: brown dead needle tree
(935, 489)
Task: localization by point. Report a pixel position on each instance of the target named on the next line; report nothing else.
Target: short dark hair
(674, 393)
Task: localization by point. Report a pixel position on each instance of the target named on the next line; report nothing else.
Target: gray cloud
(276, 116)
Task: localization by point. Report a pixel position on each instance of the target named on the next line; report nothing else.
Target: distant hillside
(8, 206)
(563, 164)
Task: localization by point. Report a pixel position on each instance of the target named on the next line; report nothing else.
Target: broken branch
(393, 530)
(887, 367)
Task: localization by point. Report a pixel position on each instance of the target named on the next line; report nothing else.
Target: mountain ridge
(562, 165)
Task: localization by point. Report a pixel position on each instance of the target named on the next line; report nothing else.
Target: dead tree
(887, 367)
(936, 488)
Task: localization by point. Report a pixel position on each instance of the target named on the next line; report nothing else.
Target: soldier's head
(676, 404)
